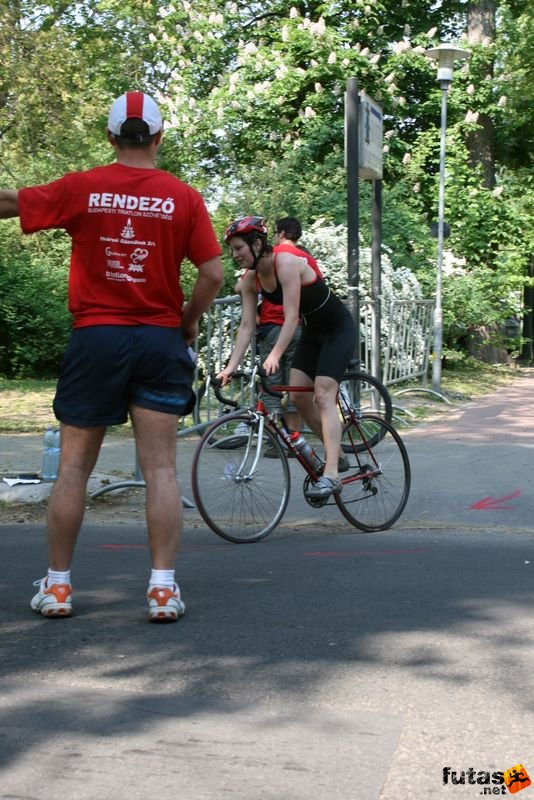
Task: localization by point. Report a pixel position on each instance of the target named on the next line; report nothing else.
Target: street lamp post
(445, 55)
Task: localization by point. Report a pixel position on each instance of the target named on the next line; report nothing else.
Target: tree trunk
(481, 31)
(527, 349)
(481, 21)
(483, 344)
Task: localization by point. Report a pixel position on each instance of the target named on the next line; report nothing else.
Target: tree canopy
(253, 102)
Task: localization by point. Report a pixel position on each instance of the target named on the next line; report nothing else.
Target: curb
(28, 493)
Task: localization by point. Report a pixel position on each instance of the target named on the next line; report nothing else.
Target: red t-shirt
(295, 250)
(131, 228)
(270, 313)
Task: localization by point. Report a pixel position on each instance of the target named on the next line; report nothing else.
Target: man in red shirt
(131, 226)
(287, 232)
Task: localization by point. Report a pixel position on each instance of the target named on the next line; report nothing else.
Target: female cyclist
(327, 340)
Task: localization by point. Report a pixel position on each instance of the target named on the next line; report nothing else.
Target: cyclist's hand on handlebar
(224, 377)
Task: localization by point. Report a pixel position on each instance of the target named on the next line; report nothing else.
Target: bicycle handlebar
(217, 384)
(351, 373)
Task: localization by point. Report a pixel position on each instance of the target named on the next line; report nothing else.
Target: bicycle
(242, 496)
(366, 393)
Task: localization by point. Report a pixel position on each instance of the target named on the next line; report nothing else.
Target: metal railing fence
(406, 351)
(404, 348)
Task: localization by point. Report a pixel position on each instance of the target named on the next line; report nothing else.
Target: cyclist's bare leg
(326, 390)
(155, 439)
(292, 420)
(304, 402)
(319, 411)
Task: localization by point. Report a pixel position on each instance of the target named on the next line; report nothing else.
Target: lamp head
(446, 55)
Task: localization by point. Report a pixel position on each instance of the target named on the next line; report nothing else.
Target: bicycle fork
(242, 475)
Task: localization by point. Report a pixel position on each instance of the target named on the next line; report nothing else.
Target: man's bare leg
(79, 453)
(155, 438)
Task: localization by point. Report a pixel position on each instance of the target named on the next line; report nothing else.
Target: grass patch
(26, 405)
(470, 379)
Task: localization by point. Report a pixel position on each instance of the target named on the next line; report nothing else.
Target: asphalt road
(319, 663)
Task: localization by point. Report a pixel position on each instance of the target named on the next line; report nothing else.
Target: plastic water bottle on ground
(51, 451)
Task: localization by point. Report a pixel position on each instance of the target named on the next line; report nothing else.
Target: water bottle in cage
(306, 450)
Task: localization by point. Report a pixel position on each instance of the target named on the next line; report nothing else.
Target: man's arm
(209, 280)
(9, 203)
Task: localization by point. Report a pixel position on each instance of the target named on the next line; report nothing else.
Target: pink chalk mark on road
(198, 548)
(358, 553)
(123, 546)
(496, 503)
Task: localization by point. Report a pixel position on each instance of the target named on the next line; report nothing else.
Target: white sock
(54, 576)
(161, 577)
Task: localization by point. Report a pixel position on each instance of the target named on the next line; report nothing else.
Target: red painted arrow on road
(492, 503)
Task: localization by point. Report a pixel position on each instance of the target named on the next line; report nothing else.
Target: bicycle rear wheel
(377, 484)
(240, 494)
(365, 394)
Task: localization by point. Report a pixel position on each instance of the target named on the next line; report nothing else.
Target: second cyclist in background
(270, 318)
(327, 340)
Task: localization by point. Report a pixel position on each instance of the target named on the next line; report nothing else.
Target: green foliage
(34, 321)
(475, 298)
(514, 86)
(253, 100)
(328, 243)
(50, 96)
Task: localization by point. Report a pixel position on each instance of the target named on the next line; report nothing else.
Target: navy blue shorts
(107, 368)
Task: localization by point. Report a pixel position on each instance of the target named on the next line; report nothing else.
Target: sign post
(363, 159)
(370, 168)
(351, 165)
(371, 137)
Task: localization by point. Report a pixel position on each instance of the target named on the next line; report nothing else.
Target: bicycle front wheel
(240, 493)
(377, 484)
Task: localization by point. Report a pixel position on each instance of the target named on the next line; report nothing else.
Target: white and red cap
(134, 105)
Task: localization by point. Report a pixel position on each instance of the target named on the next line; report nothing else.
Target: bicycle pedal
(314, 502)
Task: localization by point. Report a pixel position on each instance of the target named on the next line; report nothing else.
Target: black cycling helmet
(249, 228)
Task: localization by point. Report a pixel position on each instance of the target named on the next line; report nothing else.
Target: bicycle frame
(251, 491)
(262, 415)
(348, 415)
